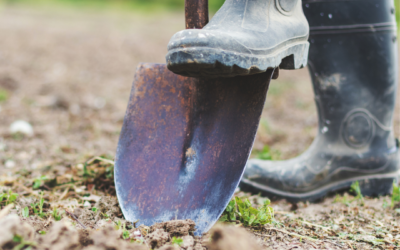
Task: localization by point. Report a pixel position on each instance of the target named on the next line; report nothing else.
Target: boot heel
(377, 187)
(297, 57)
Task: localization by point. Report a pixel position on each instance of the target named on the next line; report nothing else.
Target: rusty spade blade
(185, 141)
(184, 144)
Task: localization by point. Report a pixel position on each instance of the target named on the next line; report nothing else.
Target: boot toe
(195, 38)
(206, 53)
(263, 173)
(277, 175)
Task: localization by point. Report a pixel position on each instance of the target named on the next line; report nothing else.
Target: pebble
(9, 164)
(87, 204)
(75, 109)
(99, 103)
(22, 127)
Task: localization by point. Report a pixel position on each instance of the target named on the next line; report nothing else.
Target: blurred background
(126, 5)
(66, 69)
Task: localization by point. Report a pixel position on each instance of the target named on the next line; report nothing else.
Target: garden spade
(185, 141)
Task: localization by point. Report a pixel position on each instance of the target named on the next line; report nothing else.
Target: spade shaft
(196, 13)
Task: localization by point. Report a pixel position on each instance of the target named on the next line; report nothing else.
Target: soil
(68, 74)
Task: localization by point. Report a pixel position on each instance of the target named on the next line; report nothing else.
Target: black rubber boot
(353, 65)
(244, 37)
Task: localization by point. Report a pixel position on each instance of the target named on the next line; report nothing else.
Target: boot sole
(209, 62)
(373, 185)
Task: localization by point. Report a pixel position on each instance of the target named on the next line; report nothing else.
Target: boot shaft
(353, 66)
(331, 14)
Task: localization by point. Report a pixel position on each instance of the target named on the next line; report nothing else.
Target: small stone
(80, 189)
(87, 204)
(99, 103)
(188, 242)
(9, 164)
(335, 227)
(103, 223)
(2, 146)
(21, 127)
(75, 109)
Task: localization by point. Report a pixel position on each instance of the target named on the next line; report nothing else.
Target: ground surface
(68, 73)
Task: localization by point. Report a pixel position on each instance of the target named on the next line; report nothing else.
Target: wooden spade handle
(196, 13)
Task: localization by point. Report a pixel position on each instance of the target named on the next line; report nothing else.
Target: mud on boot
(353, 66)
(245, 37)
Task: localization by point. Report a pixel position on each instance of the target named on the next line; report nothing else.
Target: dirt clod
(108, 238)
(12, 226)
(177, 228)
(169, 247)
(60, 236)
(157, 238)
(108, 206)
(198, 246)
(231, 238)
(8, 83)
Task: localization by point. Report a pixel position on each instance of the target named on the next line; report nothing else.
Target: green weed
(355, 187)
(125, 235)
(7, 198)
(230, 212)
(86, 173)
(345, 199)
(39, 181)
(25, 212)
(121, 226)
(105, 216)
(110, 172)
(38, 207)
(385, 204)
(57, 215)
(238, 209)
(22, 244)
(177, 241)
(267, 154)
(94, 209)
(3, 95)
(395, 195)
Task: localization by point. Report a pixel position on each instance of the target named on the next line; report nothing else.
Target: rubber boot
(244, 37)
(353, 66)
